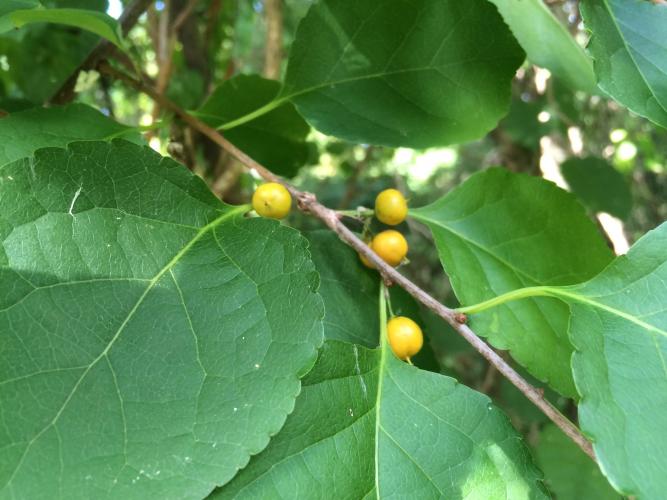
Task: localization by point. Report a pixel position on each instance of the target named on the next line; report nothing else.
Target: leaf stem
(388, 299)
(521, 293)
(359, 212)
(384, 293)
(307, 203)
(268, 107)
(382, 310)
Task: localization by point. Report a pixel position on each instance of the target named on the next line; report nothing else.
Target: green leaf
(598, 185)
(22, 133)
(14, 105)
(416, 73)
(348, 288)
(619, 329)
(501, 231)
(367, 425)
(8, 6)
(276, 139)
(99, 5)
(547, 42)
(153, 339)
(350, 291)
(629, 53)
(569, 472)
(41, 57)
(522, 124)
(99, 23)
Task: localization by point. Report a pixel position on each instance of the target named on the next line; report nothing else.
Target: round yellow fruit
(391, 246)
(405, 337)
(391, 207)
(272, 200)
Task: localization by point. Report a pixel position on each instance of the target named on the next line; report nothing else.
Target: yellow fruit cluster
(390, 245)
(405, 337)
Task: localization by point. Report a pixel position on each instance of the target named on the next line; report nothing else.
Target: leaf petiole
(521, 293)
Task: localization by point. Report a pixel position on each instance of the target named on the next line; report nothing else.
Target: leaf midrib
(560, 293)
(378, 398)
(179, 255)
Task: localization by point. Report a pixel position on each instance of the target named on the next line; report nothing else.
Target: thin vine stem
(382, 309)
(307, 203)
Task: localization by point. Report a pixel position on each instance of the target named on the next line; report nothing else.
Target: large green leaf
(367, 425)
(501, 231)
(16, 15)
(152, 338)
(568, 471)
(598, 185)
(619, 330)
(276, 139)
(547, 42)
(22, 133)
(415, 73)
(627, 44)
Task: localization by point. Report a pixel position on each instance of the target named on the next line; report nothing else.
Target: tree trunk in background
(194, 51)
(273, 52)
(227, 184)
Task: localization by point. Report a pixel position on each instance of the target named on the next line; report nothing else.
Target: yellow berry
(272, 200)
(391, 207)
(405, 337)
(391, 246)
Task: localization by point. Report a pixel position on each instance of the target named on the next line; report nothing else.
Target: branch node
(461, 318)
(305, 200)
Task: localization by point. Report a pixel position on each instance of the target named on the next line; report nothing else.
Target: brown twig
(183, 16)
(127, 20)
(165, 43)
(308, 204)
